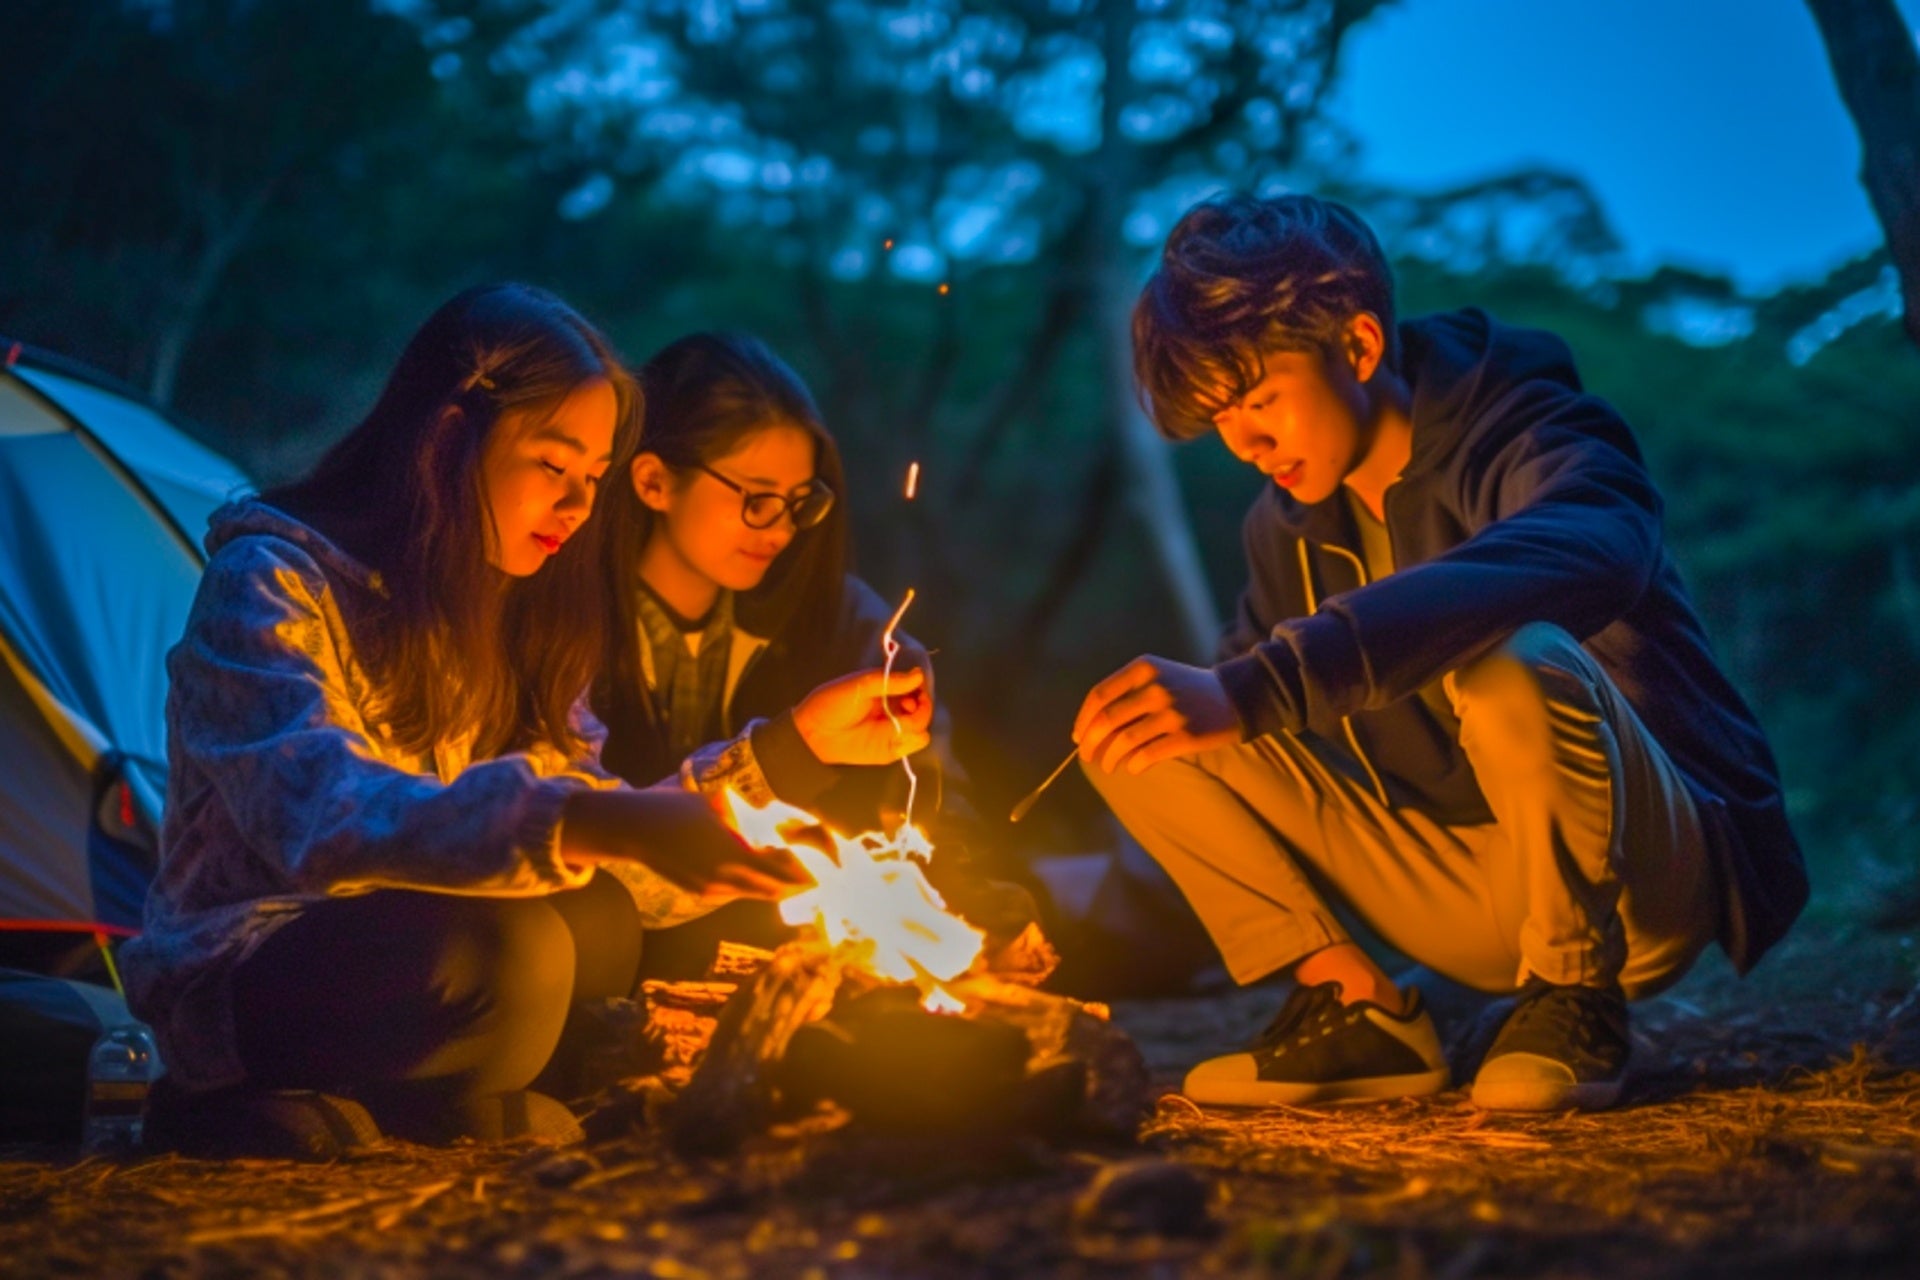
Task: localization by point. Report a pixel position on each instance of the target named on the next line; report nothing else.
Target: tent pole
(113, 970)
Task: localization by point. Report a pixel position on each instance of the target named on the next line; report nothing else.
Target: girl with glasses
(743, 651)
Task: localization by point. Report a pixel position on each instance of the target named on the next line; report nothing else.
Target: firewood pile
(767, 1038)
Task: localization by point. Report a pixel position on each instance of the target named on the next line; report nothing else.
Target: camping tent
(102, 504)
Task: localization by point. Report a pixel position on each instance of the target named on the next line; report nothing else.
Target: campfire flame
(870, 898)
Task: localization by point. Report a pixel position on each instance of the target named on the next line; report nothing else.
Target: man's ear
(1366, 344)
(652, 481)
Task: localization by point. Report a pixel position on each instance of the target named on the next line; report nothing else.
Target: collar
(666, 629)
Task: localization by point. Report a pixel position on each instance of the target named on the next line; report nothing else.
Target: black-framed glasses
(763, 510)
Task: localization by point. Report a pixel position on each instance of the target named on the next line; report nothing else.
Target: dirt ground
(1772, 1128)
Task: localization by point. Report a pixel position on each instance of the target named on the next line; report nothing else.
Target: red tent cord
(67, 926)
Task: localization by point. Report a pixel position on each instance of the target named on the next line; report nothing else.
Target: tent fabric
(187, 479)
(45, 800)
(102, 505)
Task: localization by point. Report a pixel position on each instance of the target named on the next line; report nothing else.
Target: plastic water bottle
(121, 1070)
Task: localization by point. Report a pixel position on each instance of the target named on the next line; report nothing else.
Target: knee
(606, 936)
(1520, 694)
(1121, 789)
(1537, 663)
(508, 960)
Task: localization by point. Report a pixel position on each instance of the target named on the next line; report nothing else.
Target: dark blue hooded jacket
(1525, 500)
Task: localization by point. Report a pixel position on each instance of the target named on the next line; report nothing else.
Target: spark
(913, 480)
(945, 288)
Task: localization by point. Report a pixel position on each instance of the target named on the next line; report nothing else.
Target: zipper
(1313, 606)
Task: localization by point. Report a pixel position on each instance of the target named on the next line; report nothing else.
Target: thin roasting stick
(891, 647)
(1020, 810)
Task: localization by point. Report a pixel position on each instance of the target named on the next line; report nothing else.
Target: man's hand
(1151, 710)
(845, 721)
(677, 835)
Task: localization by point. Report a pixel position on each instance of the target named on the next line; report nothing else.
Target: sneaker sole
(1293, 1093)
(279, 1124)
(1546, 1095)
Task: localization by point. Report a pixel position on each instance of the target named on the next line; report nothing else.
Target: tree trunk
(222, 240)
(1019, 653)
(1146, 460)
(1877, 68)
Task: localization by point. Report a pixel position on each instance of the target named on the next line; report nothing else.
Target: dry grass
(1773, 1129)
(1834, 1151)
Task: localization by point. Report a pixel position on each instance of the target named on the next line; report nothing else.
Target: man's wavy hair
(457, 647)
(1241, 277)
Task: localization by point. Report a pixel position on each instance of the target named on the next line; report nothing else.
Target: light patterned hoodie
(285, 788)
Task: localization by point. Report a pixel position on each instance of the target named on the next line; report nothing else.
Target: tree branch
(1877, 69)
(221, 243)
(1015, 657)
(847, 384)
(1066, 303)
(936, 370)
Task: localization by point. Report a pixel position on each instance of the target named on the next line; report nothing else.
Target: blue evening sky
(1711, 129)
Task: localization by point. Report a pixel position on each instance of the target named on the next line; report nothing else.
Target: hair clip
(477, 379)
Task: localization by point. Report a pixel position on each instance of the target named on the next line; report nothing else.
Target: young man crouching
(1464, 690)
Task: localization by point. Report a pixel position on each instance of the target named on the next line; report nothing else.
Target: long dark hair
(705, 394)
(456, 646)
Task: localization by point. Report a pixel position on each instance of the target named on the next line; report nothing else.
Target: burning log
(628, 1058)
(1076, 1043)
(809, 1031)
(895, 1008)
(681, 1019)
(731, 1094)
(1027, 958)
(737, 962)
(899, 1069)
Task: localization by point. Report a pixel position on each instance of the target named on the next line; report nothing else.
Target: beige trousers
(1594, 869)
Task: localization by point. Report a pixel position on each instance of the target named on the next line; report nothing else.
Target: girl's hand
(845, 721)
(677, 835)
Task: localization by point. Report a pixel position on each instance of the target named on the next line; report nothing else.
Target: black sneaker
(1560, 1047)
(274, 1124)
(1320, 1050)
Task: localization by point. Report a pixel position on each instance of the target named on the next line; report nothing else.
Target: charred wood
(807, 1032)
(731, 1093)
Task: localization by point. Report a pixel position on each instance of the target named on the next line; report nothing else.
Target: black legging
(429, 1007)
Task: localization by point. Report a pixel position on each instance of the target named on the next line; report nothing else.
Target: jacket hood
(250, 517)
(1458, 365)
